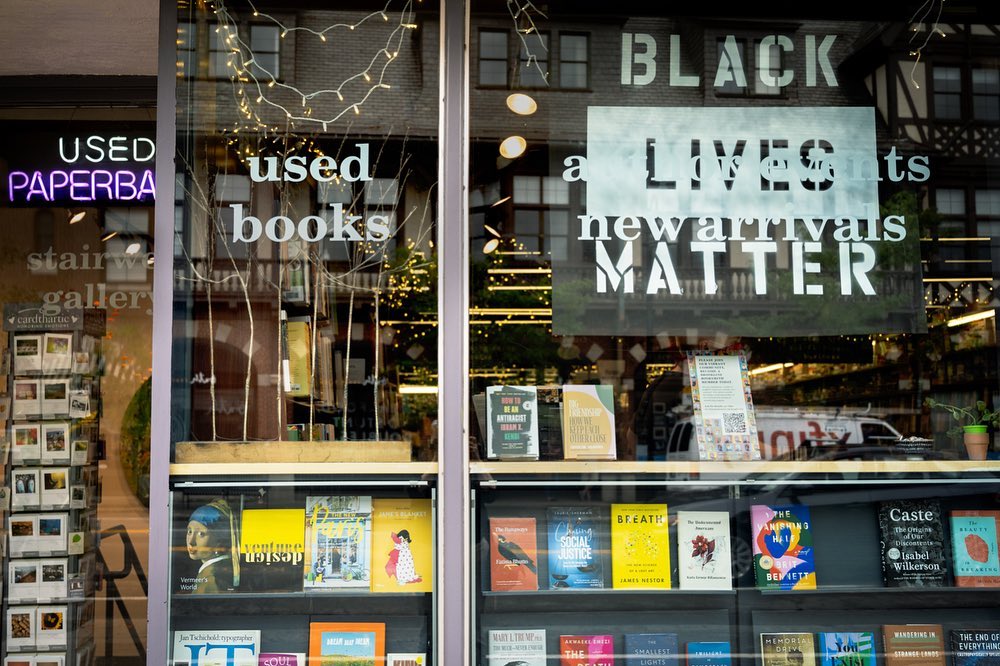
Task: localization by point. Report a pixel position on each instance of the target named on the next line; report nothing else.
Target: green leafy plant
(975, 415)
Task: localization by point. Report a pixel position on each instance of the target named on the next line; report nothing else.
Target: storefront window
(729, 312)
(304, 396)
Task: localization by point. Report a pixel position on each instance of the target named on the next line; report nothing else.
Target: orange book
(513, 554)
(339, 643)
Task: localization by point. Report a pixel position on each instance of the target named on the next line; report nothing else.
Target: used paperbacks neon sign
(90, 184)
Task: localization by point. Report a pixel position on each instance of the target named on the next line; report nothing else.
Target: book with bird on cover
(640, 547)
(974, 547)
(782, 547)
(516, 647)
(575, 548)
(402, 544)
(513, 554)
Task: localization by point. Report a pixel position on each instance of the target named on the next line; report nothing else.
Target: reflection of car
(794, 433)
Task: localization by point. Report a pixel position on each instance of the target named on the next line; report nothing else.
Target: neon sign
(97, 181)
(80, 185)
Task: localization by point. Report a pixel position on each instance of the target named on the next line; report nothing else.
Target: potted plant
(973, 424)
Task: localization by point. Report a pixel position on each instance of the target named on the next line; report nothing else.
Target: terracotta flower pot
(977, 441)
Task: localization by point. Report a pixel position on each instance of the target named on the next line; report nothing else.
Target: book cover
(216, 647)
(974, 548)
(704, 552)
(55, 442)
(640, 546)
(914, 645)
(912, 537)
(787, 649)
(338, 542)
(782, 547)
(282, 659)
(26, 401)
(588, 422)
(297, 381)
(575, 548)
(516, 647)
(512, 422)
(346, 644)
(55, 487)
(272, 550)
(651, 650)
(402, 545)
(975, 647)
(513, 554)
(847, 648)
(591, 650)
(406, 659)
(709, 654)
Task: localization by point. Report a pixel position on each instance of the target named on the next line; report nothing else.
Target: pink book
(597, 650)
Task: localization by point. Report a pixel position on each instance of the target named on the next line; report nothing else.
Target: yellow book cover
(299, 359)
(588, 422)
(402, 545)
(640, 547)
(272, 550)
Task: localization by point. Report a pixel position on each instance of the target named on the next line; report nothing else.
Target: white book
(521, 646)
(27, 353)
(51, 659)
(216, 648)
(20, 627)
(55, 442)
(23, 531)
(25, 487)
(79, 403)
(26, 402)
(81, 363)
(51, 626)
(704, 552)
(55, 398)
(22, 580)
(58, 352)
(54, 574)
(78, 496)
(55, 487)
(26, 439)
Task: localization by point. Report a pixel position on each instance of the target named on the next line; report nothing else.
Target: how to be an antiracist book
(524, 647)
(709, 654)
(787, 649)
(912, 543)
(974, 548)
(512, 422)
(575, 548)
(913, 645)
(847, 648)
(592, 650)
(588, 422)
(782, 547)
(640, 547)
(703, 551)
(975, 647)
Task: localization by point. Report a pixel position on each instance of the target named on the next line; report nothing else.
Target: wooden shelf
(305, 469)
(736, 468)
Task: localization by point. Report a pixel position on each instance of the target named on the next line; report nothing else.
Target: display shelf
(247, 605)
(303, 469)
(735, 468)
(889, 598)
(599, 600)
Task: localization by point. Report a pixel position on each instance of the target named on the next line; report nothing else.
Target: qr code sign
(734, 422)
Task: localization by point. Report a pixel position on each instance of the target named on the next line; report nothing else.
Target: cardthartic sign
(747, 221)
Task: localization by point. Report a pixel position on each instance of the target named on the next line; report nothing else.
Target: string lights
(924, 10)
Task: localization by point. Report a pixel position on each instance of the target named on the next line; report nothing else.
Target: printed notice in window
(724, 420)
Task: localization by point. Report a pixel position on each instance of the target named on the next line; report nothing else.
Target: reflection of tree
(135, 442)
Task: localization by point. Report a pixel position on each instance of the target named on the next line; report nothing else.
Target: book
(51, 627)
(20, 627)
(80, 454)
(402, 545)
(847, 648)
(338, 542)
(27, 442)
(516, 647)
(913, 645)
(272, 550)
(975, 647)
(512, 422)
(704, 551)
(282, 659)
(22, 580)
(912, 537)
(346, 643)
(58, 352)
(782, 547)
(787, 649)
(709, 654)
(239, 647)
(513, 554)
(640, 546)
(651, 650)
(406, 659)
(590, 650)
(575, 548)
(299, 374)
(55, 487)
(974, 548)
(51, 659)
(27, 353)
(588, 422)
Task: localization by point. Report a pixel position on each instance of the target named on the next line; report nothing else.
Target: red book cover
(513, 554)
(596, 650)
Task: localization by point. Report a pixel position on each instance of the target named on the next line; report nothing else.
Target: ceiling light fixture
(513, 146)
(521, 104)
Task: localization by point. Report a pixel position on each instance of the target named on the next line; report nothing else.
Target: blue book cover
(651, 650)
(709, 654)
(575, 548)
(975, 647)
(974, 546)
(847, 648)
